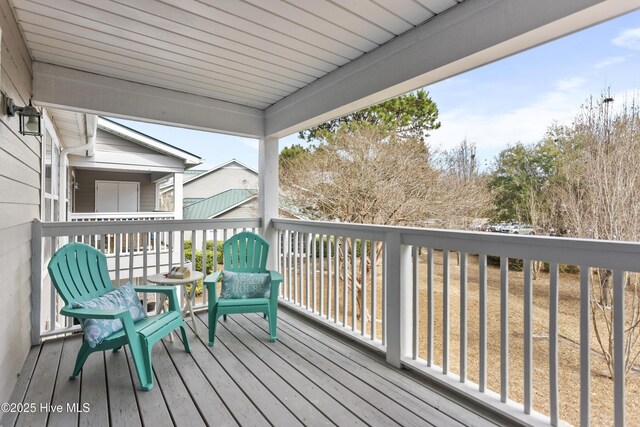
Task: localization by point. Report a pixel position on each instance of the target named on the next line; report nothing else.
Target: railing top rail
(91, 215)
(55, 229)
(589, 252)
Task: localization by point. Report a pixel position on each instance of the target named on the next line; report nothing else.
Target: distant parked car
(523, 230)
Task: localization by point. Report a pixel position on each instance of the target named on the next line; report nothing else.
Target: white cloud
(612, 60)
(629, 38)
(493, 131)
(570, 83)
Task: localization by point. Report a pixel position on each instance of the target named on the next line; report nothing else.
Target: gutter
(88, 149)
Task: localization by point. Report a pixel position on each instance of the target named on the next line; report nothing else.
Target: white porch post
(178, 194)
(399, 299)
(268, 188)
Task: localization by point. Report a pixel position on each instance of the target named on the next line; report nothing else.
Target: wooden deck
(307, 377)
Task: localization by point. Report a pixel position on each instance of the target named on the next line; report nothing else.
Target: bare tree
(599, 197)
(365, 174)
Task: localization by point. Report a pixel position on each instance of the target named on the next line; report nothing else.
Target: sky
(511, 100)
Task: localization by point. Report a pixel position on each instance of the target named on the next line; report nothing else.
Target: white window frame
(50, 198)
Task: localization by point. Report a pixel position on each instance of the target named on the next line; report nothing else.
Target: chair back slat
(246, 252)
(79, 272)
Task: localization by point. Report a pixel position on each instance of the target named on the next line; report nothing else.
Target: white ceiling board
(472, 34)
(292, 63)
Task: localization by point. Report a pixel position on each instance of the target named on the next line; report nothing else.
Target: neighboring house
(122, 177)
(228, 190)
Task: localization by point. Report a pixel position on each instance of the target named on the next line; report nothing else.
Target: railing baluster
(384, 293)
(618, 347)
(482, 374)
(300, 261)
(416, 294)
(157, 239)
(463, 316)
(528, 337)
(116, 237)
(329, 246)
(290, 265)
(445, 311)
(321, 302)
(144, 270)
(309, 260)
(336, 281)
(354, 253)
(203, 263)
(585, 346)
(130, 258)
(363, 286)
(314, 256)
(182, 248)
(296, 295)
(374, 291)
(504, 329)
(345, 263)
(429, 306)
(553, 343)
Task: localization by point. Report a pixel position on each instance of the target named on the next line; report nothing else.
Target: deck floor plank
(289, 396)
(204, 396)
(9, 419)
(326, 403)
(93, 391)
(357, 404)
(260, 396)
(323, 341)
(123, 408)
(234, 397)
(42, 383)
(353, 381)
(66, 390)
(151, 404)
(179, 402)
(397, 394)
(307, 377)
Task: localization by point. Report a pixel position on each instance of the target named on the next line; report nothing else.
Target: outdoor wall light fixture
(30, 118)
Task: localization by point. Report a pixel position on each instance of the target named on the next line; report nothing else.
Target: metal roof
(219, 203)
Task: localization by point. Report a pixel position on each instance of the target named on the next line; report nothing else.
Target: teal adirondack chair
(79, 273)
(245, 252)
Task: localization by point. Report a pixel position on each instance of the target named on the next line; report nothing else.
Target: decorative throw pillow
(245, 285)
(96, 330)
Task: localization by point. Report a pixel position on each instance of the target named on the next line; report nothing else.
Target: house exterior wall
(20, 185)
(116, 153)
(233, 175)
(86, 193)
(248, 210)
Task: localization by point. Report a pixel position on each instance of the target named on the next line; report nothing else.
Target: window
(51, 161)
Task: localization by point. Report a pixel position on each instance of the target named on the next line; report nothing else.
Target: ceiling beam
(474, 33)
(75, 90)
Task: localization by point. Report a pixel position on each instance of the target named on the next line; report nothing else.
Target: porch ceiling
(269, 67)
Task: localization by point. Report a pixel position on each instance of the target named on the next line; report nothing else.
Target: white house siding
(116, 153)
(86, 193)
(19, 204)
(231, 176)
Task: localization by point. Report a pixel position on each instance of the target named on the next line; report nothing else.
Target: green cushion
(245, 285)
(96, 330)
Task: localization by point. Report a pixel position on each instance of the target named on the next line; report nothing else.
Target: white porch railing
(134, 250)
(404, 317)
(128, 242)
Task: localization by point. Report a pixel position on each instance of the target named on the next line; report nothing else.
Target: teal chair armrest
(210, 281)
(92, 313)
(276, 279)
(169, 291)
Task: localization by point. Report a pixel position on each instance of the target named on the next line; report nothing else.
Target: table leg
(188, 296)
